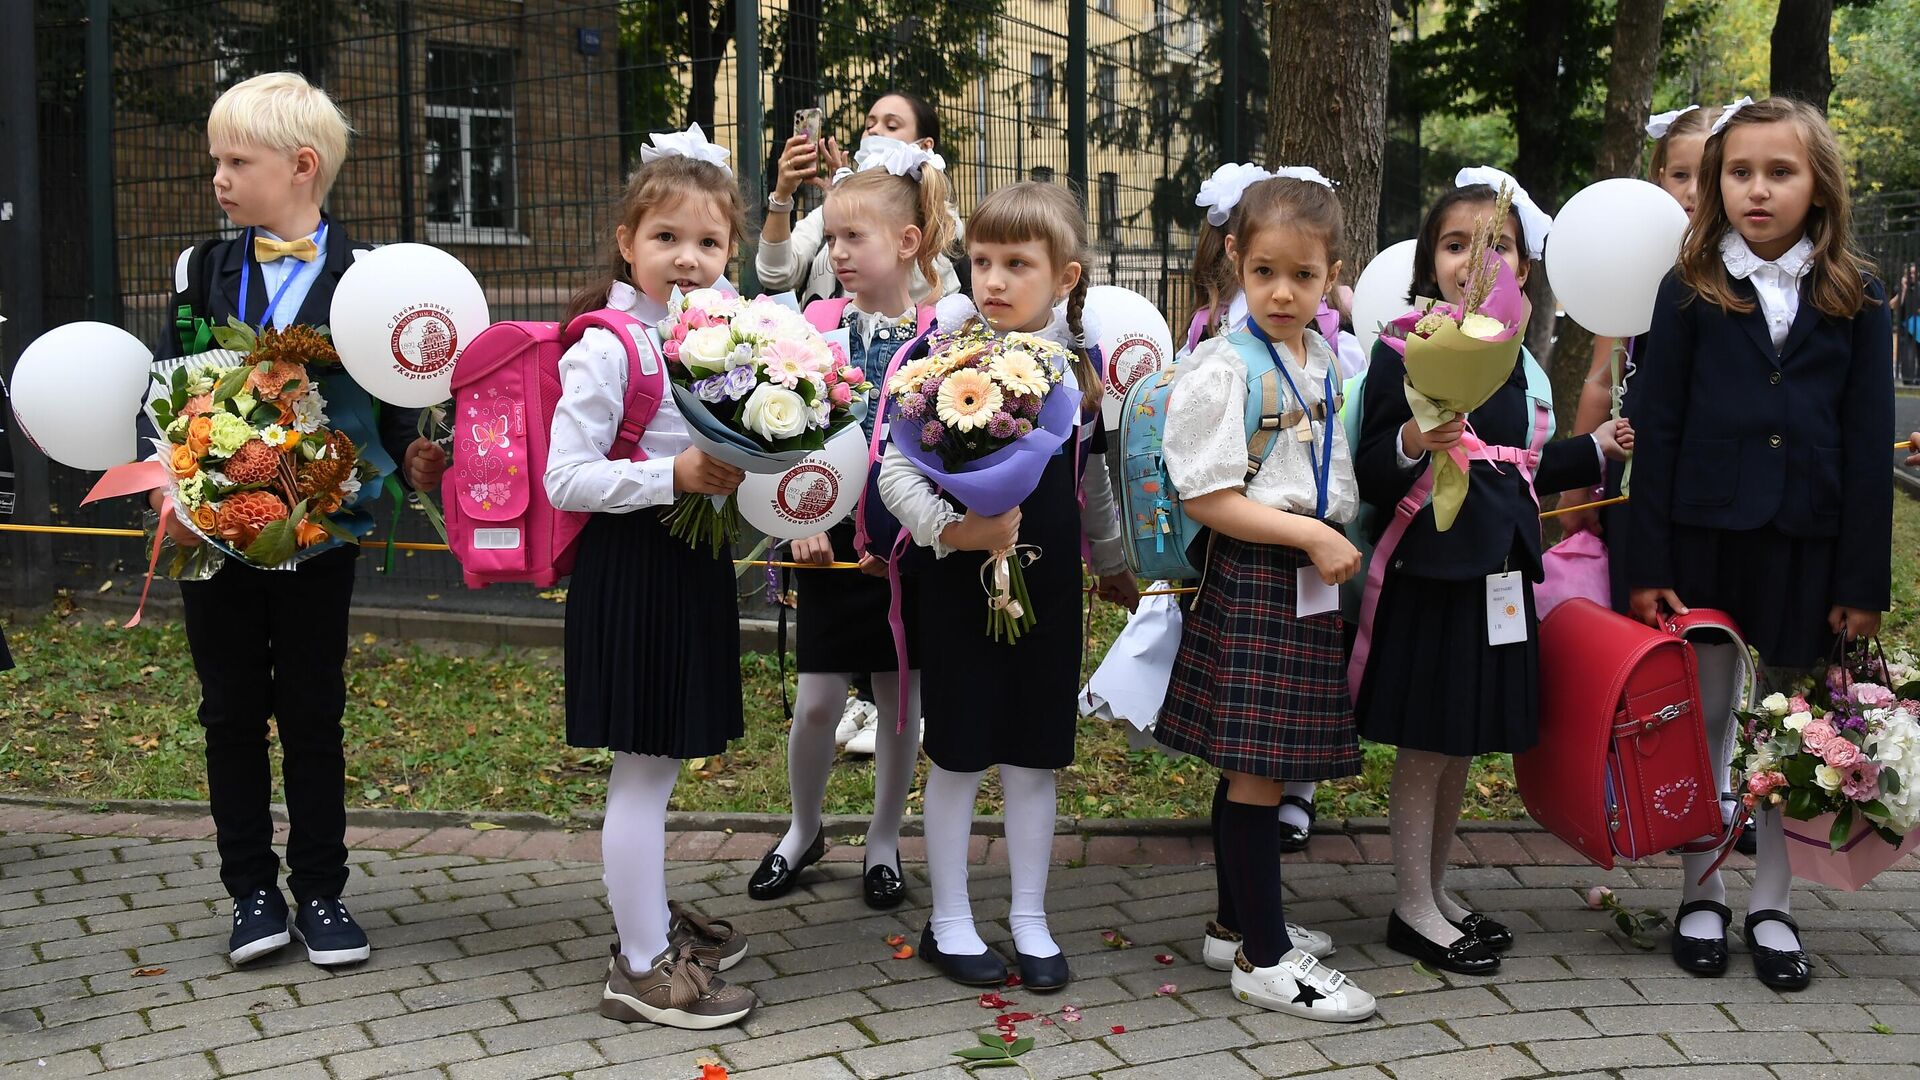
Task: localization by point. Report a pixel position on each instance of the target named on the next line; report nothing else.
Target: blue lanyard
(1322, 464)
(266, 317)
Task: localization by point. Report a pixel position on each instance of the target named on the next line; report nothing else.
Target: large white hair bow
(1726, 114)
(1221, 192)
(691, 143)
(1537, 222)
(904, 159)
(1658, 126)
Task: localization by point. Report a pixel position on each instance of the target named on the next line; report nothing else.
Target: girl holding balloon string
(884, 228)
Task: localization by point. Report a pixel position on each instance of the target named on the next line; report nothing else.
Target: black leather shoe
(1496, 935)
(1043, 974)
(883, 886)
(1749, 842)
(774, 879)
(1468, 956)
(1292, 837)
(1701, 956)
(983, 969)
(1782, 969)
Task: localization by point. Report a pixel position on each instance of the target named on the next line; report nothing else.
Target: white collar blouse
(1776, 283)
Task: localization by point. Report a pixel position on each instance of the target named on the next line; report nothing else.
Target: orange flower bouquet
(254, 469)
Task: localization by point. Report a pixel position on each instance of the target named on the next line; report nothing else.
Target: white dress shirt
(1776, 283)
(593, 381)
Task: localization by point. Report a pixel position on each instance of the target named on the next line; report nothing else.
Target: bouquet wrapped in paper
(1458, 355)
(1840, 759)
(251, 465)
(760, 389)
(981, 416)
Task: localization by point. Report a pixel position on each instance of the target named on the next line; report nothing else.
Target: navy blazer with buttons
(1733, 434)
(1500, 513)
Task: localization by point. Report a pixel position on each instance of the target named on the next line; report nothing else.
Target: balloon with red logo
(811, 496)
(400, 316)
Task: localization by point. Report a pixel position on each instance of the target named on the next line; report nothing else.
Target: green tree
(1875, 108)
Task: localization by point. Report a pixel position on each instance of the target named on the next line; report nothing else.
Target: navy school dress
(987, 702)
(1762, 480)
(1432, 682)
(843, 623)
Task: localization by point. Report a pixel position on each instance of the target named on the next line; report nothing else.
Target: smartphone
(809, 122)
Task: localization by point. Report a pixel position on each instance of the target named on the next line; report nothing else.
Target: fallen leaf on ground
(1115, 939)
(896, 940)
(484, 826)
(904, 952)
(142, 973)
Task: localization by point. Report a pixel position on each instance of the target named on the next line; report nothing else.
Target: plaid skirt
(1256, 689)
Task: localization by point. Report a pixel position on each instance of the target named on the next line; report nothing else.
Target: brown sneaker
(714, 942)
(677, 991)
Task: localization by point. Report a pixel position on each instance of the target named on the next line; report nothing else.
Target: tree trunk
(1630, 74)
(1801, 67)
(1536, 74)
(707, 38)
(1331, 56)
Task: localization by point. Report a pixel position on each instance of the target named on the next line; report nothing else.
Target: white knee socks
(1292, 814)
(1030, 817)
(633, 847)
(894, 756)
(818, 701)
(1412, 810)
(948, 824)
(1716, 665)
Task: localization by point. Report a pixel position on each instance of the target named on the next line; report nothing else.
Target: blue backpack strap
(1539, 390)
(1264, 401)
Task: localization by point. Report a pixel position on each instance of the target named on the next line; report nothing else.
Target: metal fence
(501, 130)
(1888, 225)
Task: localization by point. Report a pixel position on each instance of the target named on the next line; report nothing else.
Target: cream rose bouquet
(760, 388)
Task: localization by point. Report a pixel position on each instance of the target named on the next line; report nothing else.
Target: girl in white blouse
(1259, 685)
(652, 638)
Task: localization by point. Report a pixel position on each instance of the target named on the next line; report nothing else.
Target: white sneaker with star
(1302, 986)
(856, 715)
(1219, 944)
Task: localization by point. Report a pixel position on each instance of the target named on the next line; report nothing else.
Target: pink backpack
(506, 384)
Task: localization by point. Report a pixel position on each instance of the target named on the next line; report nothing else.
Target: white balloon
(813, 495)
(1612, 243)
(77, 392)
(400, 316)
(1134, 340)
(1380, 296)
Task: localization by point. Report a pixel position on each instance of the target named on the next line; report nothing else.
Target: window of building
(1110, 207)
(1106, 93)
(1040, 87)
(469, 141)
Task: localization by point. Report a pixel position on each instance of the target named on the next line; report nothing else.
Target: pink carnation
(1862, 781)
(1765, 783)
(841, 394)
(1841, 754)
(1872, 695)
(1817, 734)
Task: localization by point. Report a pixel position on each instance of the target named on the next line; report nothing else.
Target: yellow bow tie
(268, 250)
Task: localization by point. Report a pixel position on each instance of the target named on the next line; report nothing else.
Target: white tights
(633, 847)
(1422, 810)
(949, 824)
(818, 703)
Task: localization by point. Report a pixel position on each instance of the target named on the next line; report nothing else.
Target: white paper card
(1506, 609)
(1313, 596)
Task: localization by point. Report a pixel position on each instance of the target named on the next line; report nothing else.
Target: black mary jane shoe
(774, 878)
(1495, 934)
(1043, 974)
(883, 886)
(1468, 956)
(983, 969)
(1292, 837)
(1701, 956)
(1749, 842)
(1782, 969)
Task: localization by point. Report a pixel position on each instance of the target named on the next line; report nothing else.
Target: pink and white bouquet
(1840, 759)
(760, 389)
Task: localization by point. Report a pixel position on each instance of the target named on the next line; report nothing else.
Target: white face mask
(875, 146)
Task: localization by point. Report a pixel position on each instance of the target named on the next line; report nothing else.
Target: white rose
(705, 350)
(1797, 721)
(1828, 778)
(774, 412)
(1775, 704)
(706, 299)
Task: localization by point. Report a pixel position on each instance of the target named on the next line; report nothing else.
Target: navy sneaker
(330, 934)
(259, 925)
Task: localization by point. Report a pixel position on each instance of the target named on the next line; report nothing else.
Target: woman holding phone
(793, 255)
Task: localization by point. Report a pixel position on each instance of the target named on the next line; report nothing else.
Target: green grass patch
(97, 713)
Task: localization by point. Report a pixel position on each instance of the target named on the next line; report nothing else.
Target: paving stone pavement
(487, 964)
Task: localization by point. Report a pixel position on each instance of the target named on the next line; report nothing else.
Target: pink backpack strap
(1407, 509)
(646, 376)
(825, 315)
(1196, 328)
(923, 325)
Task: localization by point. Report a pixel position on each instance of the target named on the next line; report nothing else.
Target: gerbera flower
(968, 399)
(909, 375)
(1019, 371)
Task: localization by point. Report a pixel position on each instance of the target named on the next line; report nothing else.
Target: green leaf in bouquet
(1802, 804)
(163, 413)
(1909, 692)
(276, 543)
(1842, 828)
(1889, 782)
(1876, 808)
(1798, 769)
(178, 384)
(231, 384)
(334, 529)
(236, 335)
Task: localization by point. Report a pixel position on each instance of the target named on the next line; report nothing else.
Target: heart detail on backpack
(482, 478)
(1675, 799)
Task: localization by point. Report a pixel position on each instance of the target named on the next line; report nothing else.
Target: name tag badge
(1313, 596)
(1506, 609)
